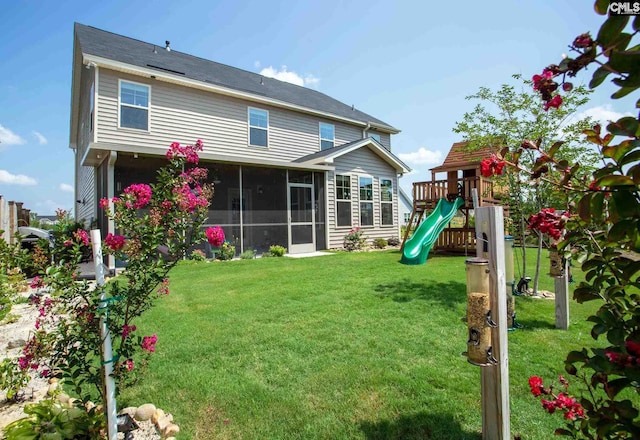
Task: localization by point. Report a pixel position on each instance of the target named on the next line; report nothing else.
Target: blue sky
(410, 64)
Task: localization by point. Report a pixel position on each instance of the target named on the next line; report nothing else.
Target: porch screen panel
(318, 180)
(264, 192)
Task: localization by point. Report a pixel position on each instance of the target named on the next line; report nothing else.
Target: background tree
(505, 117)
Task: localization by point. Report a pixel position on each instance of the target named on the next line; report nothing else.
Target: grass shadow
(417, 426)
(449, 294)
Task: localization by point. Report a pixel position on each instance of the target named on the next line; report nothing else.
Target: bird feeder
(479, 322)
(556, 268)
(510, 277)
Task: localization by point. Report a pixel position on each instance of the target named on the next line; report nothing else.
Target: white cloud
(291, 77)
(8, 137)
(66, 187)
(602, 114)
(41, 139)
(422, 157)
(16, 179)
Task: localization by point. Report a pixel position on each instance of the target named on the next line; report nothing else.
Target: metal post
(107, 351)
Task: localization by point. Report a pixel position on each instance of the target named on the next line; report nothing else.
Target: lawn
(347, 346)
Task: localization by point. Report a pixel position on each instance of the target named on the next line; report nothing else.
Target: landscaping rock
(16, 343)
(171, 431)
(131, 410)
(157, 415)
(145, 412)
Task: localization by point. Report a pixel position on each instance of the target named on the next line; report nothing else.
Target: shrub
(393, 241)
(249, 254)
(198, 255)
(277, 251)
(380, 243)
(226, 251)
(354, 240)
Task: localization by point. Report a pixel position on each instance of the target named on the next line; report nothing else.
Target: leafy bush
(198, 255)
(249, 254)
(354, 240)
(380, 243)
(393, 241)
(226, 251)
(277, 251)
(12, 378)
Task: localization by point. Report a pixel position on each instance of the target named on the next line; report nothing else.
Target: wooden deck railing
(427, 194)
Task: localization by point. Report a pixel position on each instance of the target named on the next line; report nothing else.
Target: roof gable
(460, 157)
(153, 58)
(326, 157)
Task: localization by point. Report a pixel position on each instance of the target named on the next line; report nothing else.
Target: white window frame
(332, 140)
(380, 179)
(361, 201)
(375, 136)
(249, 127)
(148, 107)
(349, 200)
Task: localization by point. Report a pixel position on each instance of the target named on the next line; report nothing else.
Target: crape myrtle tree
(600, 227)
(504, 117)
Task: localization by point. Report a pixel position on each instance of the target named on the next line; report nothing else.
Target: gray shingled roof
(116, 47)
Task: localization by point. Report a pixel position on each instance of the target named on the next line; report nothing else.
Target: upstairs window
(258, 127)
(374, 136)
(327, 136)
(366, 201)
(343, 200)
(134, 105)
(386, 201)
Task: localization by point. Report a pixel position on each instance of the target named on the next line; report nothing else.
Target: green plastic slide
(416, 249)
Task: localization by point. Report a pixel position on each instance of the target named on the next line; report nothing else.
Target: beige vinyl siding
(85, 190)
(362, 162)
(181, 114)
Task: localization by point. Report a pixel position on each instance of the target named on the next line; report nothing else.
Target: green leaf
(611, 29)
(577, 356)
(632, 80)
(615, 180)
(599, 76)
(597, 330)
(584, 207)
(562, 431)
(554, 148)
(627, 126)
(623, 92)
(626, 205)
(619, 231)
(601, 7)
(636, 23)
(616, 336)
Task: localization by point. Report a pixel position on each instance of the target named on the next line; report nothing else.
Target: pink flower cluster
(127, 330)
(562, 402)
(490, 166)
(194, 175)
(545, 84)
(215, 236)
(583, 41)
(82, 237)
(36, 283)
(630, 359)
(548, 221)
(128, 364)
(140, 194)
(189, 200)
(190, 153)
(149, 343)
(114, 242)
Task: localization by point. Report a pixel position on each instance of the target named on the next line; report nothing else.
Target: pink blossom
(215, 236)
(114, 242)
(67, 243)
(140, 193)
(36, 282)
(491, 166)
(104, 203)
(149, 343)
(81, 236)
(128, 364)
(127, 329)
(554, 102)
(164, 287)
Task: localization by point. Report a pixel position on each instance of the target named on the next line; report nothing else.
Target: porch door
(301, 218)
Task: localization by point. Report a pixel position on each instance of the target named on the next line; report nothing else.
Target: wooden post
(496, 424)
(562, 298)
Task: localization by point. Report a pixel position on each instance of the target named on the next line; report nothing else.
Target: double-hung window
(386, 202)
(327, 136)
(134, 105)
(366, 201)
(258, 127)
(343, 200)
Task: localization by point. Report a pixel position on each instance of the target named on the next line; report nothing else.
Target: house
(290, 165)
(405, 206)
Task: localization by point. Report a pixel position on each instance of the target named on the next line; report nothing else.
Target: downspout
(365, 129)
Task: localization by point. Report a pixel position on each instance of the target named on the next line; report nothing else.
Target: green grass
(348, 346)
